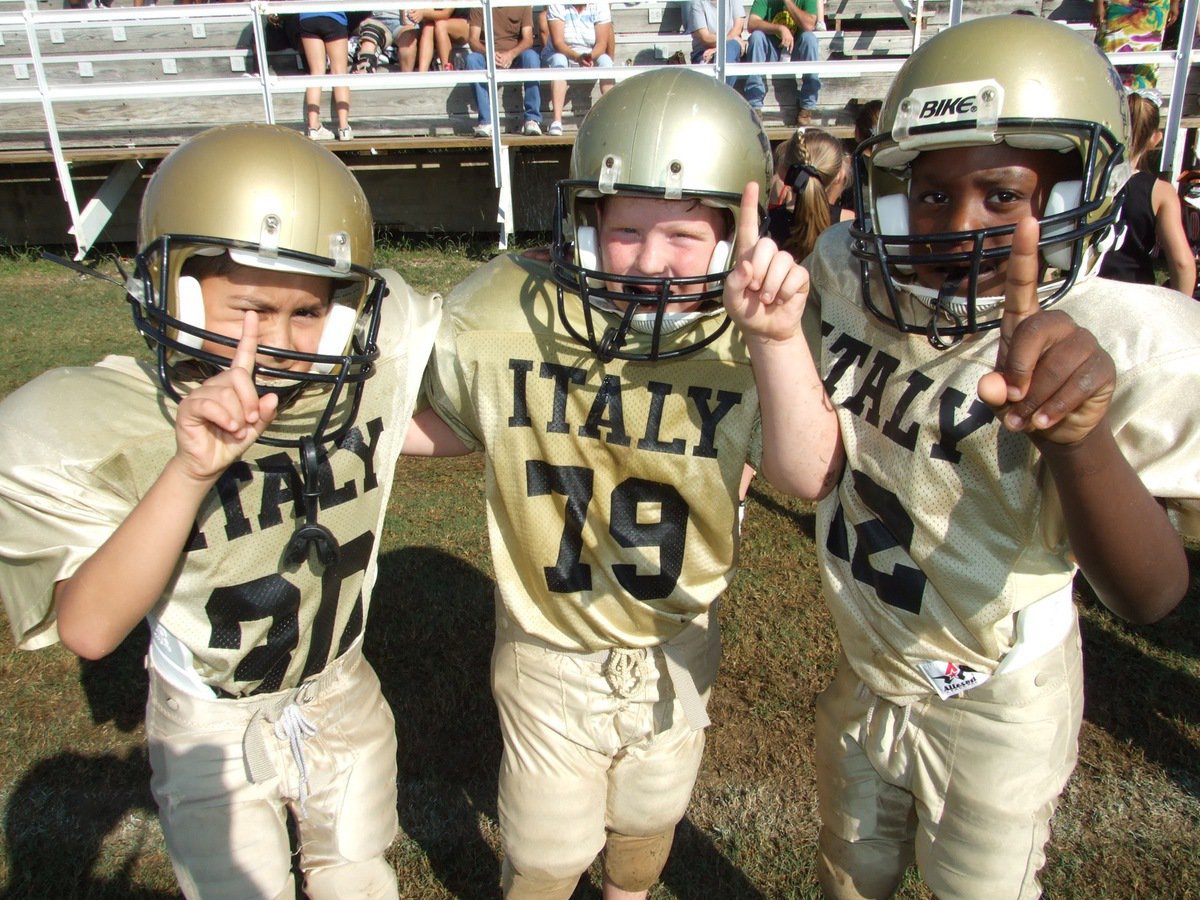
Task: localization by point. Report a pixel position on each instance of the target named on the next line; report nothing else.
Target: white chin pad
(1063, 196)
(891, 217)
(189, 303)
(335, 336)
(585, 247)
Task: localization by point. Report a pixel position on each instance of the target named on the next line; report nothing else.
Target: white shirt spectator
(703, 14)
(579, 22)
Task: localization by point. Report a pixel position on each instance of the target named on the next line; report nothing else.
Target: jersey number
(275, 598)
(569, 574)
(901, 587)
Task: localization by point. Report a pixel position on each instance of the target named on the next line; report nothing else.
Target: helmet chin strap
(311, 533)
(614, 335)
(942, 305)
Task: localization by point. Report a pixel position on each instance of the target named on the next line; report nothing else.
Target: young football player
(233, 494)
(617, 410)
(1008, 418)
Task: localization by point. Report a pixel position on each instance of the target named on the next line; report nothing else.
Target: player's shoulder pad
(503, 294)
(420, 308)
(832, 269)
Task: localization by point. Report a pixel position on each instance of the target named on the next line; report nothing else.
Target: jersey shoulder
(85, 411)
(510, 293)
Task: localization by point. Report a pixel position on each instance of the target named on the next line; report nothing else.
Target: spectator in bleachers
(702, 19)
(1151, 214)
(866, 123)
(449, 29)
(812, 171)
(1133, 26)
(324, 40)
(512, 33)
(376, 35)
(783, 29)
(580, 35)
(410, 34)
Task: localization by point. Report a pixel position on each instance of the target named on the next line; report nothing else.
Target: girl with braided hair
(812, 169)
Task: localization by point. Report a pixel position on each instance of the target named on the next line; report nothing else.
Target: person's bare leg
(406, 49)
(558, 99)
(314, 57)
(425, 48)
(339, 64)
(612, 892)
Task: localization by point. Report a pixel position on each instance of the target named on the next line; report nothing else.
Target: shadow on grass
(430, 640)
(116, 685)
(62, 809)
(805, 522)
(1138, 698)
(58, 816)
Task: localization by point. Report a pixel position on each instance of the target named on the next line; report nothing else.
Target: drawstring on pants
(293, 727)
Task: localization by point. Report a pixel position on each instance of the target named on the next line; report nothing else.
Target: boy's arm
(118, 584)
(429, 435)
(1054, 382)
(765, 295)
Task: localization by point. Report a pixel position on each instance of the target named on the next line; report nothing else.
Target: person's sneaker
(531, 128)
(556, 129)
(320, 133)
(345, 134)
(804, 118)
(482, 130)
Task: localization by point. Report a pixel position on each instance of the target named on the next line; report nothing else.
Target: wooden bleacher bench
(120, 49)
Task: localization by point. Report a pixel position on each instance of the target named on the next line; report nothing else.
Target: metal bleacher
(91, 98)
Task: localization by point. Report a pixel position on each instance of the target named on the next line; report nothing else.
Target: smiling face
(291, 307)
(967, 189)
(658, 239)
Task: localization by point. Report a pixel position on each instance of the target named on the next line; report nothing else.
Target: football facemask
(671, 134)
(270, 199)
(948, 97)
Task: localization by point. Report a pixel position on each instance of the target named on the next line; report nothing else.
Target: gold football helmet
(669, 134)
(269, 198)
(272, 199)
(1025, 81)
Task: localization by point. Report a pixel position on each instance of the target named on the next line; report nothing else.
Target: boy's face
(659, 239)
(973, 188)
(291, 310)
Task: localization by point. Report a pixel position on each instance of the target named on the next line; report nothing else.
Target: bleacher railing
(44, 28)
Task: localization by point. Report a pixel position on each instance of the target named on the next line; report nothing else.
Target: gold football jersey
(944, 524)
(612, 488)
(79, 447)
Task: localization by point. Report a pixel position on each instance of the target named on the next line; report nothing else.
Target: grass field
(79, 820)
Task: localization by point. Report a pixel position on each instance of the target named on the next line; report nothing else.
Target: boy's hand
(1052, 379)
(766, 289)
(221, 418)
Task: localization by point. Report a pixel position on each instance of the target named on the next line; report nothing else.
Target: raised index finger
(247, 348)
(747, 230)
(1021, 280)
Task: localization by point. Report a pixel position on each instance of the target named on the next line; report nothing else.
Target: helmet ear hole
(1063, 196)
(586, 254)
(891, 215)
(189, 302)
(335, 336)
